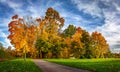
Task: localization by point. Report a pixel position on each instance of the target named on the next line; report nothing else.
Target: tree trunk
(25, 57)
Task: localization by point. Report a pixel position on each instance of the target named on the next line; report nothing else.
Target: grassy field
(18, 65)
(95, 65)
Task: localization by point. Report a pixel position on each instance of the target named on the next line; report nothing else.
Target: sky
(93, 15)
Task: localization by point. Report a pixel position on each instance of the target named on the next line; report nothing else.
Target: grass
(95, 65)
(18, 65)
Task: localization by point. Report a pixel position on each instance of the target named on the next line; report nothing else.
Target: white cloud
(5, 41)
(2, 34)
(111, 28)
(4, 22)
(111, 14)
(89, 7)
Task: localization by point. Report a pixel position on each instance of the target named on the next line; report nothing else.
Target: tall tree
(21, 34)
(99, 45)
(48, 32)
(76, 45)
(87, 45)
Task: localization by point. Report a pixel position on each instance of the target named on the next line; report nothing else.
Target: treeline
(6, 53)
(44, 38)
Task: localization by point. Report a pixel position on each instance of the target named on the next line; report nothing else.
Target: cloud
(89, 7)
(111, 28)
(2, 34)
(5, 41)
(109, 11)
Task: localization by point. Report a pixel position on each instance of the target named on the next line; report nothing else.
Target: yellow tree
(99, 45)
(76, 45)
(31, 37)
(48, 32)
(65, 53)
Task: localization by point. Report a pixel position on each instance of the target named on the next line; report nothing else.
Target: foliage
(99, 45)
(22, 34)
(44, 38)
(5, 54)
(94, 65)
(87, 43)
(71, 29)
(18, 65)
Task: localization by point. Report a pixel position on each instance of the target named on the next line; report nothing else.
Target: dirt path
(52, 67)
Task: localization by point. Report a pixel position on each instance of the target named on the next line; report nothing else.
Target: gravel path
(53, 67)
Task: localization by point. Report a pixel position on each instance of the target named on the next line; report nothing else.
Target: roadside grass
(19, 65)
(94, 65)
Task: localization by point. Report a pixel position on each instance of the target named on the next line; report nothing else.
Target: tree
(1, 45)
(99, 45)
(87, 44)
(76, 45)
(22, 34)
(49, 27)
(71, 29)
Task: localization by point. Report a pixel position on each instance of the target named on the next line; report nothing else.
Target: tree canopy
(44, 38)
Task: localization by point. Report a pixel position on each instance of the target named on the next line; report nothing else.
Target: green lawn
(95, 65)
(18, 65)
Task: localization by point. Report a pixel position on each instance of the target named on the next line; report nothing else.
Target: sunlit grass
(96, 65)
(19, 65)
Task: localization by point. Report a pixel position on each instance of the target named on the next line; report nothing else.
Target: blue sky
(92, 15)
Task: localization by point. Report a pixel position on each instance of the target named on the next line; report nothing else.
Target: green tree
(71, 29)
(87, 44)
(1, 45)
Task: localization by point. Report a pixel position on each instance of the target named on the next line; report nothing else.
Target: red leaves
(20, 19)
(15, 16)
(79, 30)
(38, 20)
(12, 24)
(10, 37)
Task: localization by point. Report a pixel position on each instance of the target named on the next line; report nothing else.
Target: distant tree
(1, 45)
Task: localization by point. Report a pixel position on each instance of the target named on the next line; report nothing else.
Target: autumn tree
(17, 32)
(22, 34)
(48, 32)
(99, 45)
(76, 45)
